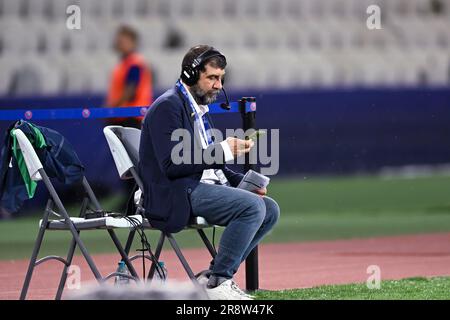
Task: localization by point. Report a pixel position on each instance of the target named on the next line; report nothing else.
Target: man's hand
(261, 192)
(238, 146)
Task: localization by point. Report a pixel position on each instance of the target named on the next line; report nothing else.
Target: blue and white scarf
(205, 133)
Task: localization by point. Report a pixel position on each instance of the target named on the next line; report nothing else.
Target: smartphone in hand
(255, 135)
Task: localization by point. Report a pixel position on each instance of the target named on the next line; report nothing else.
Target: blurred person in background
(131, 86)
(131, 81)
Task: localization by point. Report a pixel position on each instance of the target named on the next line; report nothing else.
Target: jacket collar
(186, 107)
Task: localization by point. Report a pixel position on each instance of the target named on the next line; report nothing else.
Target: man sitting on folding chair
(174, 192)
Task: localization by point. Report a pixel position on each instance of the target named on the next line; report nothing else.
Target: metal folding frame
(37, 173)
(119, 146)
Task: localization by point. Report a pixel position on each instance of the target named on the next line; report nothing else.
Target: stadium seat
(49, 76)
(166, 65)
(242, 71)
(35, 9)
(27, 76)
(104, 64)
(39, 27)
(8, 67)
(124, 146)
(10, 8)
(11, 31)
(63, 221)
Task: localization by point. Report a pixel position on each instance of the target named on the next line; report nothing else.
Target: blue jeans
(246, 216)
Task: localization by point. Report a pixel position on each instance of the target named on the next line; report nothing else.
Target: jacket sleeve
(166, 118)
(233, 177)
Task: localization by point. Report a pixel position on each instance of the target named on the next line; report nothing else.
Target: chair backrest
(124, 146)
(29, 154)
(34, 165)
(131, 138)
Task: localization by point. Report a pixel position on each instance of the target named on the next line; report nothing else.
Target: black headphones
(190, 73)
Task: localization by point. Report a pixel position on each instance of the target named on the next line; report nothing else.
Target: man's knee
(272, 210)
(256, 208)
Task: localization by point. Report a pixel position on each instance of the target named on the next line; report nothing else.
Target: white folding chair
(64, 222)
(124, 146)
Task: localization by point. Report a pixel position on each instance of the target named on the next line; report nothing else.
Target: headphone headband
(205, 56)
(190, 73)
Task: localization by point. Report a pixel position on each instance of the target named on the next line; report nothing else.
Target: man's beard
(202, 97)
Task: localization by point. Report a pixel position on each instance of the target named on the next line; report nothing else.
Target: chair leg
(122, 252)
(183, 261)
(159, 247)
(70, 224)
(129, 241)
(32, 263)
(73, 230)
(84, 251)
(207, 243)
(62, 281)
(35, 253)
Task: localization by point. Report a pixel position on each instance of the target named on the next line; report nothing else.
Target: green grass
(437, 288)
(311, 209)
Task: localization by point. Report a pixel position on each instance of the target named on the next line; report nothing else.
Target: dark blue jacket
(167, 185)
(58, 159)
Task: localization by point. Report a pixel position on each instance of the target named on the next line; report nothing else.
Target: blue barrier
(321, 131)
(333, 131)
(99, 113)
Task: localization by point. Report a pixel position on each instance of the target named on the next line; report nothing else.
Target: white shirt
(209, 175)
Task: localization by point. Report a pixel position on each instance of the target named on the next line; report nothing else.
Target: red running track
(282, 266)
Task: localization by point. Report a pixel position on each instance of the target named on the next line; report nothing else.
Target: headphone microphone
(225, 105)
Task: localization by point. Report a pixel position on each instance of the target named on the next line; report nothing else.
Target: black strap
(131, 206)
